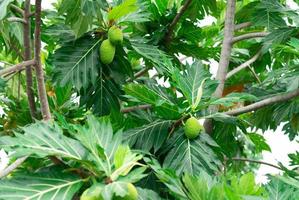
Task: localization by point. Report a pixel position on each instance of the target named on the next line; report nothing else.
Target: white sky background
(279, 143)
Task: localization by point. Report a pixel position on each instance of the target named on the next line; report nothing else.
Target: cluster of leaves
(113, 147)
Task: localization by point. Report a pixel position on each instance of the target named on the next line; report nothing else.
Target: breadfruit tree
(147, 99)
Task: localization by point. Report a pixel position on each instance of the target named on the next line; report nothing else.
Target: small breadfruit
(92, 193)
(107, 52)
(192, 128)
(131, 195)
(115, 35)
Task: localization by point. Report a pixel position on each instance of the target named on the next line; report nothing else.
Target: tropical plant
(122, 99)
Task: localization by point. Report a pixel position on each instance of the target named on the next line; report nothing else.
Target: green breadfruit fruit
(92, 193)
(131, 195)
(107, 52)
(115, 35)
(192, 128)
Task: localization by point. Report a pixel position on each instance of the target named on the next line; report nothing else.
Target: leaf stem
(254, 161)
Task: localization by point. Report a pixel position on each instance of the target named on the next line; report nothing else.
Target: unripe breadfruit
(92, 193)
(107, 52)
(131, 195)
(115, 35)
(192, 128)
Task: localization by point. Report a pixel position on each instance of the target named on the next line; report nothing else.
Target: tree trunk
(27, 56)
(38, 65)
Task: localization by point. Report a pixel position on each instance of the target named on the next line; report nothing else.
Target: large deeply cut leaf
(3, 7)
(77, 62)
(148, 136)
(97, 136)
(156, 97)
(194, 83)
(42, 186)
(44, 139)
(191, 156)
(279, 188)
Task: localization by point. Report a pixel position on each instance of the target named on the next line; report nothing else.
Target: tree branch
(16, 19)
(16, 67)
(17, 9)
(38, 65)
(248, 36)
(242, 25)
(256, 161)
(244, 65)
(266, 102)
(224, 57)
(27, 56)
(12, 167)
(168, 36)
(138, 74)
(133, 108)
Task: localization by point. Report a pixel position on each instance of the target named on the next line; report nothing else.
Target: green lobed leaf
(194, 83)
(3, 7)
(97, 136)
(155, 96)
(280, 190)
(77, 63)
(191, 156)
(126, 7)
(149, 136)
(44, 139)
(43, 186)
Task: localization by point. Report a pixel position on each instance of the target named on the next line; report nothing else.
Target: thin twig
(38, 65)
(12, 167)
(266, 102)
(248, 36)
(138, 74)
(255, 75)
(133, 108)
(244, 65)
(17, 9)
(16, 67)
(242, 25)
(16, 19)
(256, 161)
(168, 36)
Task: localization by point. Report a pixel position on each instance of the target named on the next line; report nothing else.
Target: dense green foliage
(123, 78)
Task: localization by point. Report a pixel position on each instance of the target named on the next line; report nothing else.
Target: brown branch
(244, 65)
(224, 57)
(133, 108)
(16, 67)
(266, 102)
(38, 65)
(17, 9)
(255, 161)
(138, 74)
(248, 36)
(12, 167)
(168, 36)
(27, 56)
(242, 25)
(16, 19)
